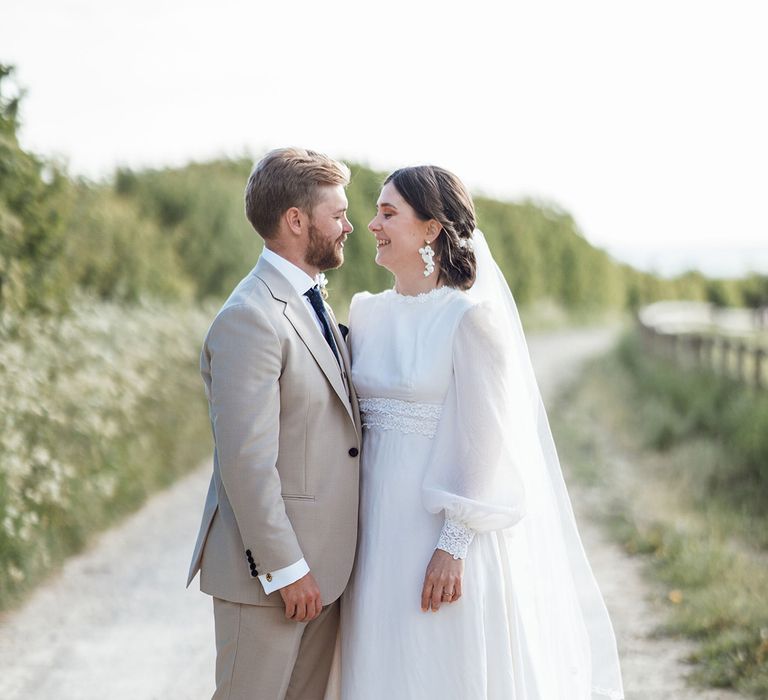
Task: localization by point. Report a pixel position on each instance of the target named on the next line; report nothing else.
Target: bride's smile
(399, 234)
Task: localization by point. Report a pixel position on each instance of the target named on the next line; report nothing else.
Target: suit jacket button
(269, 578)
(353, 452)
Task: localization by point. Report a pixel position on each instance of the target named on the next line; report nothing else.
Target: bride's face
(399, 233)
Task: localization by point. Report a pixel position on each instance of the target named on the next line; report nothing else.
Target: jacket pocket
(297, 497)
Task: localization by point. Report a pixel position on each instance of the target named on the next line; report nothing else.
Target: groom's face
(328, 229)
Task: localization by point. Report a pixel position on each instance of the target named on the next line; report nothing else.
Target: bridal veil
(559, 624)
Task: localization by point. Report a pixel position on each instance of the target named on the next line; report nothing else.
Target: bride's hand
(442, 582)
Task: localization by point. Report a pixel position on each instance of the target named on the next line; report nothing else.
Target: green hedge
(98, 409)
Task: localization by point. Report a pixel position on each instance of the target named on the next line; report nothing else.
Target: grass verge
(675, 456)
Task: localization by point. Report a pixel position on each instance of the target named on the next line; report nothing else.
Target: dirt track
(117, 624)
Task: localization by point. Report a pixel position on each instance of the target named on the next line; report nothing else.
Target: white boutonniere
(322, 281)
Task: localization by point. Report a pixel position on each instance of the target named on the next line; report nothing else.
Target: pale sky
(646, 120)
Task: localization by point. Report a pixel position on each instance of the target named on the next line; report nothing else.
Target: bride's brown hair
(436, 193)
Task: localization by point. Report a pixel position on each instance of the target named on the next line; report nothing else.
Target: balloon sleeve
(473, 471)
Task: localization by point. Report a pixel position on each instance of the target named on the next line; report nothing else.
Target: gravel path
(117, 624)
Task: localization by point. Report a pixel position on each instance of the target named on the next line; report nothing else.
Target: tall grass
(679, 405)
(671, 458)
(98, 409)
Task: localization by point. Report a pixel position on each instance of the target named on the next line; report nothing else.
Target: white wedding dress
(457, 453)
(425, 369)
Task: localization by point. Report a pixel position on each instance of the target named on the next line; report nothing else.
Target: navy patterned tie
(316, 300)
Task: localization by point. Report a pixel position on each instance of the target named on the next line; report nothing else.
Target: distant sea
(713, 261)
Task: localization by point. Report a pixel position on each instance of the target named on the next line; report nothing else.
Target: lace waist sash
(403, 416)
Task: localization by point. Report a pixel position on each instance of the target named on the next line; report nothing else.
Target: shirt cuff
(283, 577)
(455, 538)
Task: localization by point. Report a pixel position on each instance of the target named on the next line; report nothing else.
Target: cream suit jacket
(287, 438)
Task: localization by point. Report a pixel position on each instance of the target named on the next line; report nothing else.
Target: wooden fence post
(726, 357)
(741, 353)
(679, 349)
(707, 352)
(697, 343)
(671, 344)
(725, 348)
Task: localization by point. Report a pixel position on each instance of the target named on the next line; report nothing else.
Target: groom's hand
(302, 599)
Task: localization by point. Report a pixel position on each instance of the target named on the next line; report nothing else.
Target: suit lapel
(341, 343)
(341, 346)
(299, 317)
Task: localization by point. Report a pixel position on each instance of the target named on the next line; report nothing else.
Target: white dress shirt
(299, 279)
(301, 282)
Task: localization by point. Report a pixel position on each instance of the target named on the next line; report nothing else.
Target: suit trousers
(261, 655)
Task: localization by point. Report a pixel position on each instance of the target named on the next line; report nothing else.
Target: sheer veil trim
(556, 611)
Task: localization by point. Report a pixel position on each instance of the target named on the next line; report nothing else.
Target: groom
(279, 528)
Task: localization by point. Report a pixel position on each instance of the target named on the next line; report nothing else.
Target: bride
(470, 580)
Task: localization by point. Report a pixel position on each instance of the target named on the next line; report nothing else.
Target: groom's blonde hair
(285, 178)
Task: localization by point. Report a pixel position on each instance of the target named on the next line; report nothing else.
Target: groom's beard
(322, 253)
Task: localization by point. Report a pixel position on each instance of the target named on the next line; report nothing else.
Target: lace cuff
(455, 538)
